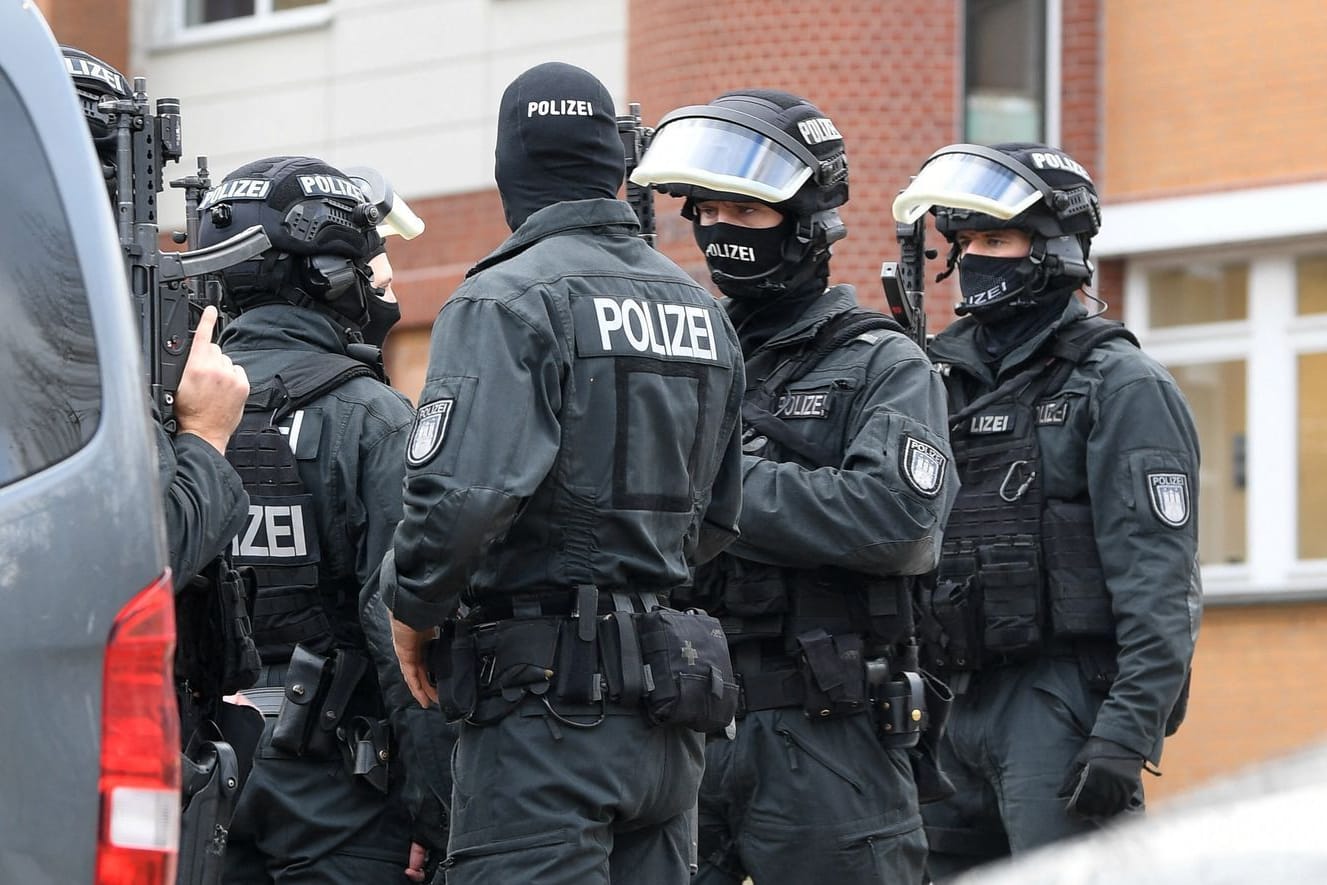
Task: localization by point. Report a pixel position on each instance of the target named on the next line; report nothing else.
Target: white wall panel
(411, 86)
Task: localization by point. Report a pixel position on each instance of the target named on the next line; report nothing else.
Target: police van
(89, 742)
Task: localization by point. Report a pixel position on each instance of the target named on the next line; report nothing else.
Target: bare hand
(411, 645)
(415, 871)
(210, 401)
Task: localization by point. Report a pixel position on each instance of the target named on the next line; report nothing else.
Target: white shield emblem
(427, 435)
(1169, 493)
(923, 466)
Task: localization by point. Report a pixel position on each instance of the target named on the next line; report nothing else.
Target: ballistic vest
(760, 601)
(1017, 570)
(279, 541)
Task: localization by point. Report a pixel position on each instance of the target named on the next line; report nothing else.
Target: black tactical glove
(1103, 780)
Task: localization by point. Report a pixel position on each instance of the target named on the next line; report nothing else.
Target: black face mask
(383, 315)
(988, 282)
(741, 252)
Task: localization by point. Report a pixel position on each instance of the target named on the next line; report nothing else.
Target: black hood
(557, 141)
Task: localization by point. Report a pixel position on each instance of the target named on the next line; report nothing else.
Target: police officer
(320, 450)
(847, 479)
(576, 449)
(1068, 595)
(204, 499)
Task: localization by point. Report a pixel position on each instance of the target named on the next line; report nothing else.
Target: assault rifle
(904, 280)
(166, 300)
(635, 139)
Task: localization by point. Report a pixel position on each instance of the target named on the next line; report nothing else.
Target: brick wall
(1210, 97)
(100, 27)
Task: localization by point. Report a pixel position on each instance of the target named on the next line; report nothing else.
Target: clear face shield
(971, 177)
(719, 150)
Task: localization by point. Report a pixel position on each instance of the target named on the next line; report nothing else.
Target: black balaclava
(1003, 329)
(557, 141)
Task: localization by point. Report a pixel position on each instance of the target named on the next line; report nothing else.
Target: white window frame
(1270, 342)
(1053, 12)
(264, 21)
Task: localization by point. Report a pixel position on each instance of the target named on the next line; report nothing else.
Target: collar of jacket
(561, 218)
(957, 345)
(284, 327)
(834, 301)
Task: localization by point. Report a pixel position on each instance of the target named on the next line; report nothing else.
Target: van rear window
(50, 389)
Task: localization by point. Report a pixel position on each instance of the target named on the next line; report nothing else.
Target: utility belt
(831, 676)
(582, 652)
(326, 707)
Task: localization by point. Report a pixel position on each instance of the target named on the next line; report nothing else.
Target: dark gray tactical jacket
(578, 424)
(349, 450)
(205, 502)
(862, 401)
(1126, 420)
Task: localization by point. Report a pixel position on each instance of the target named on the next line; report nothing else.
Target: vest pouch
(307, 677)
(955, 606)
(753, 588)
(889, 610)
(833, 674)
(688, 673)
(1010, 576)
(1075, 586)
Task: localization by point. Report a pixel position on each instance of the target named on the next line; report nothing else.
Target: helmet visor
(721, 155)
(967, 177)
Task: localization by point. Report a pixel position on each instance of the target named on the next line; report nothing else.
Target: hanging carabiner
(1023, 486)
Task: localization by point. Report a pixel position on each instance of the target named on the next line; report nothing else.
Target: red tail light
(140, 744)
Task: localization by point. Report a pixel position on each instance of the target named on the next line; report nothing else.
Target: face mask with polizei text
(741, 251)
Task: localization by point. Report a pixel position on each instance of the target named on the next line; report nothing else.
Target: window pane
(1311, 271)
(1216, 392)
(200, 12)
(1005, 86)
(1312, 456)
(1201, 292)
(279, 5)
(50, 387)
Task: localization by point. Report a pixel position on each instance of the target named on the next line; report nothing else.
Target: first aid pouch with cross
(689, 677)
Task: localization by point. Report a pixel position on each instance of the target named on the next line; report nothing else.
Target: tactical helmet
(95, 81)
(322, 227)
(763, 145)
(1031, 187)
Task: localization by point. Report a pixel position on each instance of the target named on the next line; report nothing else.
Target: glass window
(202, 12)
(1005, 71)
(50, 388)
(1312, 456)
(1311, 276)
(1199, 292)
(1216, 393)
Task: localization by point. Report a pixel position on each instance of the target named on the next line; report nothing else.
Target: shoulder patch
(1169, 494)
(429, 431)
(923, 466)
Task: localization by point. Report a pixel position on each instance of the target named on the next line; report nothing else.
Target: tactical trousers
(537, 800)
(1008, 747)
(791, 801)
(302, 820)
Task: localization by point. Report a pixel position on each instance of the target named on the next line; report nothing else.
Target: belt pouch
(833, 674)
(1010, 577)
(453, 664)
(348, 669)
(900, 710)
(578, 670)
(688, 672)
(306, 676)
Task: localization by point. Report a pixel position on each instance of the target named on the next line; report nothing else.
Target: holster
(933, 785)
(211, 784)
(367, 746)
